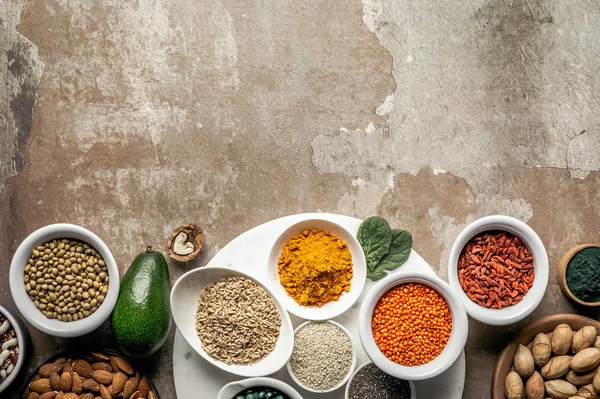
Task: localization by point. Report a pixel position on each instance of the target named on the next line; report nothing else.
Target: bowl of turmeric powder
(317, 269)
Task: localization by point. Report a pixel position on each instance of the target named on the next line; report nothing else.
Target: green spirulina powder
(583, 274)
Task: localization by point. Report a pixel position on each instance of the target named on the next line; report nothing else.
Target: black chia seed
(370, 382)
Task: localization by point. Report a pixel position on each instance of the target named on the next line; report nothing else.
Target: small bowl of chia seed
(369, 381)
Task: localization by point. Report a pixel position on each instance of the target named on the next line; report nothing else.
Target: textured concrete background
(133, 117)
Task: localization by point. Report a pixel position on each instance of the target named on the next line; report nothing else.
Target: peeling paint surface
(134, 117)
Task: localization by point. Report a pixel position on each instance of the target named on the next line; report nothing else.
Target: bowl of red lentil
(498, 266)
(413, 325)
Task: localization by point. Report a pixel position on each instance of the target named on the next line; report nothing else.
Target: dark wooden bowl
(525, 336)
(562, 273)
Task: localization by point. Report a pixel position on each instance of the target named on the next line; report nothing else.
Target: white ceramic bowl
(413, 389)
(511, 314)
(184, 303)
(454, 347)
(22, 342)
(26, 306)
(233, 388)
(331, 309)
(352, 367)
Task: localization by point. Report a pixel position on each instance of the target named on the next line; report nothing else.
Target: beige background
(133, 117)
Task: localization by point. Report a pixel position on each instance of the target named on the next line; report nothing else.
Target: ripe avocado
(142, 316)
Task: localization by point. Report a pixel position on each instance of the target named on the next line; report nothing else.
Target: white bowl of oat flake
(220, 332)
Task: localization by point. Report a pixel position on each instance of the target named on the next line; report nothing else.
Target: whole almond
(584, 338)
(33, 395)
(102, 376)
(105, 393)
(541, 349)
(40, 386)
(102, 366)
(66, 381)
(76, 387)
(556, 367)
(560, 389)
(534, 388)
(91, 384)
(151, 394)
(86, 396)
(60, 360)
(587, 391)
(55, 382)
(144, 387)
(130, 387)
(523, 362)
(124, 366)
(113, 363)
(513, 386)
(83, 368)
(71, 395)
(585, 360)
(118, 382)
(48, 395)
(581, 378)
(99, 356)
(47, 369)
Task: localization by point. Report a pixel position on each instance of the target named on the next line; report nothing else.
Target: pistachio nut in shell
(513, 386)
(596, 380)
(560, 389)
(523, 362)
(541, 349)
(581, 378)
(584, 338)
(587, 391)
(534, 388)
(556, 367)
(585, 360)
(562, 339)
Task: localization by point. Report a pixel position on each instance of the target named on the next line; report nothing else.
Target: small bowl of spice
(64, 280)
(323, 358)
(369, 381)
(499, 267)
(412, 325)
(232, 320)
(579, 274)
(317, 269)
(13, 340)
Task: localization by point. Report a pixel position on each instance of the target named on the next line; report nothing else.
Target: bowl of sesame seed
(323, 358)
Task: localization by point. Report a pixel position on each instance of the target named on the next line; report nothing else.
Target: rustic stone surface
(151, 114)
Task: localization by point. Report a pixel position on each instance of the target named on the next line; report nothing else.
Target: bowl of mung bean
(324, 356)
(64, 280)
(232, 320)
(413, 325)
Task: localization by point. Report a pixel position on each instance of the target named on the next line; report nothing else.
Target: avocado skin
(142, 316)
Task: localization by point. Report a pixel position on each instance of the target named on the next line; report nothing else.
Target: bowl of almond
(87, 375)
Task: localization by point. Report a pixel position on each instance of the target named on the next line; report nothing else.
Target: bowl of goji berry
(498, 266)
(413, 325)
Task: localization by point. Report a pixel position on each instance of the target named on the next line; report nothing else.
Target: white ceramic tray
(196, 378)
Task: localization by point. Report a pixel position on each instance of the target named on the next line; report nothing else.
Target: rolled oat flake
(370, 382)
(322, 356)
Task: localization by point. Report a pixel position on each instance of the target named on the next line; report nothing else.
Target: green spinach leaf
(375, 237)
(399, 250)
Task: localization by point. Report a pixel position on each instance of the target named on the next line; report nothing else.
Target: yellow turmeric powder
(315, 267)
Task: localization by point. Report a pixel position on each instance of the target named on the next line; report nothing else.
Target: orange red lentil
(411, 324)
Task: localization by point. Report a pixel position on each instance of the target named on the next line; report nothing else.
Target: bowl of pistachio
(64, 280)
